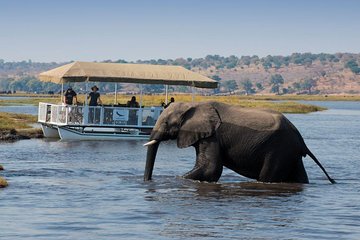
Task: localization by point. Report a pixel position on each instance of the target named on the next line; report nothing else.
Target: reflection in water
(230, 207)
(202, 190)
(250, 189)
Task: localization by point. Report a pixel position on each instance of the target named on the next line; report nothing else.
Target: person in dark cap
(133, 103)
(133, 118)
(94, 113)
(94, 96)
(69, 96)
(171, 101)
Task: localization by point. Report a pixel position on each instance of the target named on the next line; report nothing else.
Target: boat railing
(101, 116)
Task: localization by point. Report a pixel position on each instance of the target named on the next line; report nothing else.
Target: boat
(110, 122)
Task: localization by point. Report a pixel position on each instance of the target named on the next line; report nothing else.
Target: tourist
(171, 101)
(69, 96)
(94, 97)
(133, 103)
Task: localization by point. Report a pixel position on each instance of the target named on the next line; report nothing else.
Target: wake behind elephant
(258, 144)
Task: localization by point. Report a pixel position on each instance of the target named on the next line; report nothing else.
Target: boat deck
(106, 120)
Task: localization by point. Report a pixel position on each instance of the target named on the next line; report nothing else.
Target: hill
(298, 73)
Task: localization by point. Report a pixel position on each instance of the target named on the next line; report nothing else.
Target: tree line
(219, 62)
(22, 76)
(276, 86)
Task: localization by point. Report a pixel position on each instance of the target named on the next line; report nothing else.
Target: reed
(281, 106)
(17, 121)
(278, 103)
(28, 101)
(10, 121)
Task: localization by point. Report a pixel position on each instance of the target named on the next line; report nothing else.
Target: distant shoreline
(270, 97)
(15, 126)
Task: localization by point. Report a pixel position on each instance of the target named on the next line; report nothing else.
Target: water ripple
(95, 190)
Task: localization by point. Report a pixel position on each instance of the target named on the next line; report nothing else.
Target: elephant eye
(166, 123)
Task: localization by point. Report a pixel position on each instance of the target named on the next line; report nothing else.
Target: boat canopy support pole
(86, 107)
(115, 101)
(86, 91)
(141, 95)
(62, 92)
(166, 94)
(140, 113)
(192, 94)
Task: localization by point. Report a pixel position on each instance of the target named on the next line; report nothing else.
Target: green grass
(281, 106)
(22, 122)
(278, 103)
(16, 121)
(28, 101)
(304, 97)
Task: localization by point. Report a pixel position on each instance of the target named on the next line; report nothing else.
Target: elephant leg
(208, 166)
(283, 168)
(299, 175)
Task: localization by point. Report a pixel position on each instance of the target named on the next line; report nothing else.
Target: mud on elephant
(258, 144)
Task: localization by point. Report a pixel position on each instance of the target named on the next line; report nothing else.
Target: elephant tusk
(150, 143)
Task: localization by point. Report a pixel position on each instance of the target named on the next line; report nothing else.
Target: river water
(94, 190)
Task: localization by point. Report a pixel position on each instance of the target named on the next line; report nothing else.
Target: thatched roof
(129, 73)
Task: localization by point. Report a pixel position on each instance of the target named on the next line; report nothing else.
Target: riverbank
(3, 182)
(277, 103)
(35, 98)
(14, 135)
(16, 126)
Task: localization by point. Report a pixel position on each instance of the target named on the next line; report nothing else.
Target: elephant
(259, 144)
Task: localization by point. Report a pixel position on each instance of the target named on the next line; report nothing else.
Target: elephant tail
(308, 152)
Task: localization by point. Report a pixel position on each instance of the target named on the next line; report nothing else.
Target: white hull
(73, 134)
(97, 123)
(50, 131)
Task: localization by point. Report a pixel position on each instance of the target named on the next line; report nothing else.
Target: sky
(87, 30)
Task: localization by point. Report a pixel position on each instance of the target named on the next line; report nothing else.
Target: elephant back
(255, 119)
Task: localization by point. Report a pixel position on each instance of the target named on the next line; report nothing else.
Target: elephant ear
(198, 122)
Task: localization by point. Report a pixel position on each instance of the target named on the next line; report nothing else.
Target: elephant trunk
(150, 160)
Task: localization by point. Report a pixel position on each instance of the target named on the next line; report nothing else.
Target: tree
(230, 85)
(245, 60)
(275, 89)
(4, 83)
(121, 61)
(267, 64)
(248, 87)
(216, 78)
(259, 86)
(154, 88)
(297, 86)
(308, 83)
(34, 85)
(354, 67)
(16, 85)
(276, 81)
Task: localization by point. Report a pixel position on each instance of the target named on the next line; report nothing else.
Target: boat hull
(67, 134)
(50, 131)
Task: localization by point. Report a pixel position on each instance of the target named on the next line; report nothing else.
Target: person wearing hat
(171, 101)
(94, 96)
(69, 95)
(133, 103)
